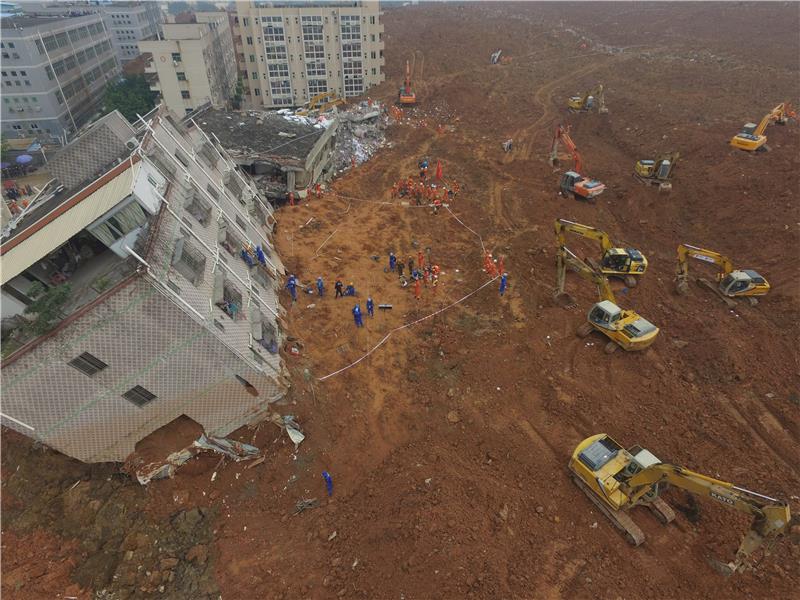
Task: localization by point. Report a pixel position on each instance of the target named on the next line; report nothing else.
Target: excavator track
(715, 288)
(662, 511)
(620, 519)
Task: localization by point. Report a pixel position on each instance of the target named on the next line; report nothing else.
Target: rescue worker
(435, 284)
(320, 287)
(501, 264)
(503, 283)
(291, 198)
(417, 289)
(350, 290)
(291, 285)
(420, 260)
(392, 261)
(400, 266)
(338, 287)
(357, 315)
(410, 264)
(370, 306)
(394, 191)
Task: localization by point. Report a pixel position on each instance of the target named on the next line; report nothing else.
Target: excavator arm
(771, 517)
(562, 225)
(685, 251)
(562, 135)
(566, 258)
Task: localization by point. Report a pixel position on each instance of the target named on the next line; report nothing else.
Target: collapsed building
(282, 152)
(140, 286)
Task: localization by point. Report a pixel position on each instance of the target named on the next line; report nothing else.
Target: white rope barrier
(406, 326)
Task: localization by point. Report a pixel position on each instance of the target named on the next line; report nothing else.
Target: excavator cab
(625, 328)
(581, 188)
(744, 283)
(623, 261)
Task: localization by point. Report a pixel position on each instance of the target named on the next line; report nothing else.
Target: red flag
(438, 169)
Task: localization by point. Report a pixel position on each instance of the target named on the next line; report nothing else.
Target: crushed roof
(258, 134)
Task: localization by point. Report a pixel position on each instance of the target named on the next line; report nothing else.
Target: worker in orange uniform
(420, 261)
(501, 264)
(291, 198)
(353, 161)
(318, 191)
(417, 289)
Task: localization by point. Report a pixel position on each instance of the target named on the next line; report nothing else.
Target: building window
(182, 158)
(185, 94)
(199, 210)
(139, 396)
(252, 58)
(188, 261)
(87, 364)
(249, 40)
(176, 56)
(181, 76)
(255, 75)
(120, 224)
(257, 92)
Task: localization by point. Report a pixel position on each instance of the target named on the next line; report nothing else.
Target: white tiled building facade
(194, 331)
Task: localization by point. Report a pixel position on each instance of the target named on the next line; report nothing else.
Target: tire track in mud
(758, 431)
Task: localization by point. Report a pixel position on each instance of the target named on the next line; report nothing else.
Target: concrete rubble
(361, 132)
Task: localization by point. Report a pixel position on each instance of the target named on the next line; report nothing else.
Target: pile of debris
(361, 131)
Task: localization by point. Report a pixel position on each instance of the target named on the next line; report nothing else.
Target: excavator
(572, 182)
(731, 284)
(626, 263)
(657, 172)
(616, 480)
(587, 101)
(752, 138)
(624, 328)
(319, 104)
(406, 95)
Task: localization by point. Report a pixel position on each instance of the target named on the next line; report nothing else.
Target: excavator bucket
(564, 300)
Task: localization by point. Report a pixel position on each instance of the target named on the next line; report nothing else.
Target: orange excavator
(572, 182)
(406, 96)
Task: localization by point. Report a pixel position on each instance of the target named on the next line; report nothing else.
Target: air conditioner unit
(132, 143)
(37, 108)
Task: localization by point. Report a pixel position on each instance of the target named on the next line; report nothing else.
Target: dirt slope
(448, 445)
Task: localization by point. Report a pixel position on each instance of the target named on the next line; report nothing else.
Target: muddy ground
(448, 445)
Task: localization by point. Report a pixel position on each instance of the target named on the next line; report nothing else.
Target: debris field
(448, 444)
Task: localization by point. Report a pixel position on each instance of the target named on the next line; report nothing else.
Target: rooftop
(264, 134)
(95, 152)
(40, 22)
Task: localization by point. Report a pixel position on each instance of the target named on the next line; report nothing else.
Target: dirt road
(448, 445)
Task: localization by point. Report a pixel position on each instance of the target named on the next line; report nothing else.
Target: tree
(46, 306)
(5, 147)
(129, 96)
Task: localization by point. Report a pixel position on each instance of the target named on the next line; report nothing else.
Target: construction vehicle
(616, 480)
(588, 100)
(731, 283)
(657, 172)
(627, 264)
(625, 328)
(319, 104)
(572, 182)
(752, 138)
(406, 95)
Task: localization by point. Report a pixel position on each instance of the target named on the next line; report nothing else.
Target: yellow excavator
(625, 328)
(752, 138)
(616, 480)
(588, 100)
(732, 283)
(657, 172)
(320, 104)
(627, 264)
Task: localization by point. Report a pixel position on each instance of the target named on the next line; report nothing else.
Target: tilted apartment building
(164, 253)
(288, 52)
(54, 73)
(194, 63)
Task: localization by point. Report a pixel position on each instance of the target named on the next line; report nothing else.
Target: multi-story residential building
(162, 254)
(54, 72)
(288, 52)
(126, 22)
(130, 22)
(194, 63)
